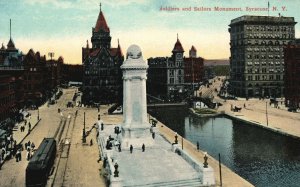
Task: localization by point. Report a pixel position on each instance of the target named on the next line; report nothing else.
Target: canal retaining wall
(260, 125)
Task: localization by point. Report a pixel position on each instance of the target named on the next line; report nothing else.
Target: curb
(30, 131)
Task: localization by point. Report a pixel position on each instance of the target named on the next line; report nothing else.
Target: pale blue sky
(63, 26)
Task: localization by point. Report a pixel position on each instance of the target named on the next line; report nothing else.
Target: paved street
(13, 173)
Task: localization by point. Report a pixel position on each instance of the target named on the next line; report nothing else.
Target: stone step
(180, 183)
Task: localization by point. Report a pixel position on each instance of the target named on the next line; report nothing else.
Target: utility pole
(83, 131)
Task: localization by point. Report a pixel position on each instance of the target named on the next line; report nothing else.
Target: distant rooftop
(263, 19)
(216, 62)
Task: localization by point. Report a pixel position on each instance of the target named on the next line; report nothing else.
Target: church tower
(101, 34)
(178, 52)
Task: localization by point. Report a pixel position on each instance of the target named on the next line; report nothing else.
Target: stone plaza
(134, 153)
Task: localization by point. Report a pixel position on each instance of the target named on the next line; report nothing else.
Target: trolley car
(41, 163)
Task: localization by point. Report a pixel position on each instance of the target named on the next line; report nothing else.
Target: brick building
(256, 62)
(102, 76)
(54, 74)
(193, 68)
(35, 78)
(292, 74)
(171, 78)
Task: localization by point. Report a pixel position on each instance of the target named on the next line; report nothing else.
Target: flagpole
(268, 8)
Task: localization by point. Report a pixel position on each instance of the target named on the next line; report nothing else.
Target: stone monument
(135, 126)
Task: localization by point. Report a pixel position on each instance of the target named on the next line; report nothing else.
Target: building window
(277, 77)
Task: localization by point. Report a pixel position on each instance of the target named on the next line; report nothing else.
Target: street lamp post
(83, 131)
(38, 116)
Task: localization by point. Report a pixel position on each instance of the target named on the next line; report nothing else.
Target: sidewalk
(257, 112)
(20, 136)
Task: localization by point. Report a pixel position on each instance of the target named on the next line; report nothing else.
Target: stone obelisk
(135, 126)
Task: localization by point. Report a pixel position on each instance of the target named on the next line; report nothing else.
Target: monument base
(136, 136)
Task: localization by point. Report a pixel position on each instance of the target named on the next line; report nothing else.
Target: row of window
(176, 64)
(265, 56)
(264, 77)
(270, 28)
(265, 49)
(265, 63)
(258, 42)
(264, 70)
(172, 80)
(172, 72)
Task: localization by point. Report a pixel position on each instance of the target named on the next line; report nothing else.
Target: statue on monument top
(134, 52)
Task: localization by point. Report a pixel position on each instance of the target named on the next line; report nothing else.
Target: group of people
(143, 148)
(22, 128)
(9, 148)
(29, 146)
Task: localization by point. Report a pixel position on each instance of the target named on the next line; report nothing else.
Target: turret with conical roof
(2, 47)
(178, 51)
(101, 33)
(193, 52)
(178, 47)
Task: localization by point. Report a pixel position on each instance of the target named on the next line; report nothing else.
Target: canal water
(262, 157)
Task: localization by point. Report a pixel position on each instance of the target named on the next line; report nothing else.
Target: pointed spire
(101, 23)
(178, 47)
(10, 28)
(119, 49)
(87, 44)
(10, 44)
(100, 6)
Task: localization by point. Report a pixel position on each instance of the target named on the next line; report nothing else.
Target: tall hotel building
(257, 58)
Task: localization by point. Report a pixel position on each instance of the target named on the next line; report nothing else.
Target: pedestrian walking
(91, 142)
(28, 155)
(119, 147)
(198, 147)
(32, 145)
(18, 156)
(143, 148)
(131, 148)
(153, 135)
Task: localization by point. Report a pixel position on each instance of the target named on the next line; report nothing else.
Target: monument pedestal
(136, 136)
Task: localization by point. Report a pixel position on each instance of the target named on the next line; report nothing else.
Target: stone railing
(206, 173)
